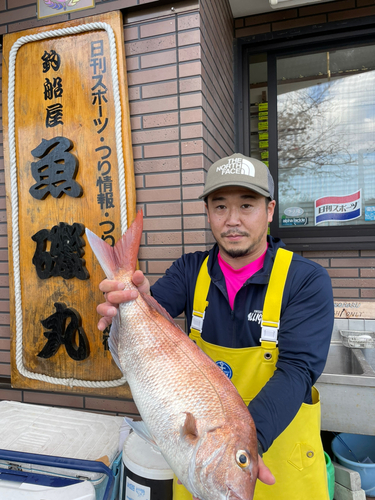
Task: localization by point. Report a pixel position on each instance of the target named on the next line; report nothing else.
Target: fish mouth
(232, 495)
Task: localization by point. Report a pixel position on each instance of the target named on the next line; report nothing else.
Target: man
(270, 333)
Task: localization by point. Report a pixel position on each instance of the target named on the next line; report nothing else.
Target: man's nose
(233, 218)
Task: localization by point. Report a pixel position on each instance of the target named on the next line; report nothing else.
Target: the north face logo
(237, 166)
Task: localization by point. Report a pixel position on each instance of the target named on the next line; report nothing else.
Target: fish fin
(113, 340)
(139, 427)
(103, 252)
(160, 309)
(124, 254)
(189, 430)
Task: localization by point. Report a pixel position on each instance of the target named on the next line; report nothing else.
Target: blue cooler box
(63, 454)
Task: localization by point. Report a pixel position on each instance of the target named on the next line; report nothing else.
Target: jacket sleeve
(304, 337)
(171, 290)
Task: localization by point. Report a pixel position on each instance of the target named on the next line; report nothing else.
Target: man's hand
(264, 474)
(115, 294)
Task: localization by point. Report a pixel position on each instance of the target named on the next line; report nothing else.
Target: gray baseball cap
(239, 170)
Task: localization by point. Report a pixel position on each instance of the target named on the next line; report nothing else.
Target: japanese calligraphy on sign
(68, 174)
(62, 332)
(99, 90)
(54, 112)
(64, 257)
(56, 169)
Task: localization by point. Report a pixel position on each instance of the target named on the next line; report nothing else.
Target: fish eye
(242, 458)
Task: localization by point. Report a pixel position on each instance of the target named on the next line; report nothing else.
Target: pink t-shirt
(235, 278)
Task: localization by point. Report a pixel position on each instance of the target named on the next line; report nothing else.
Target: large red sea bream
(190, 409)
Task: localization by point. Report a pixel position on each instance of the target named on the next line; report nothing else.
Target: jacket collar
(261, 277)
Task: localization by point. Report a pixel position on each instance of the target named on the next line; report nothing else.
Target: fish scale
(151, 394)
(190, 409)
(156, 369)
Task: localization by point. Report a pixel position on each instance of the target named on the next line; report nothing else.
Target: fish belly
(164, 373)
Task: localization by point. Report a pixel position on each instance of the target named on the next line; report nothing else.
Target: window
(326, 138)
(312, 120)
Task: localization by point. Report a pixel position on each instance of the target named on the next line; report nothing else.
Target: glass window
(326, 138)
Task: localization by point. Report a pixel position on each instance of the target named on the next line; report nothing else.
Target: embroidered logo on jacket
(255, 316)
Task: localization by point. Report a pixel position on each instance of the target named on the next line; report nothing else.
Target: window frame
(348, 237)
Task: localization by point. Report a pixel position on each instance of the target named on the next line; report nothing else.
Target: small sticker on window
(293, 211)
(369, 213)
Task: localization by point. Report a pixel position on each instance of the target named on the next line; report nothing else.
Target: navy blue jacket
(305, 326)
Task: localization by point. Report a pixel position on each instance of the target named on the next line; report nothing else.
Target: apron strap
(200, 294)
(272, 302)
(274, 296)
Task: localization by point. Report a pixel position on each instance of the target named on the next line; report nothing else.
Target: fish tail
(124, 254)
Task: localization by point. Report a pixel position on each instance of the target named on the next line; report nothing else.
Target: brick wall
(181, 104)
(180, 74)
(352, 272)
(217, 38)
(182, 119)
(163, 75)
(311, 15)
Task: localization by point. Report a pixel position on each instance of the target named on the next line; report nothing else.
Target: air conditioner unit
(284, 4)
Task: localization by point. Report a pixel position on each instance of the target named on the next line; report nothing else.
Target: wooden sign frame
(74, 109)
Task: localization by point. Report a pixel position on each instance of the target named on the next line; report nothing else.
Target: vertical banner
(69, 165)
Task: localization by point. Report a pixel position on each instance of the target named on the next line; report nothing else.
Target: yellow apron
(296, 457)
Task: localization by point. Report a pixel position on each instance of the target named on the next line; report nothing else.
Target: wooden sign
(354, 309)
(69, 165)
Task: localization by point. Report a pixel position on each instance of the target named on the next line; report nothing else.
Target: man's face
(239, 221)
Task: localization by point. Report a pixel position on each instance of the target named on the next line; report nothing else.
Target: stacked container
(33, 437)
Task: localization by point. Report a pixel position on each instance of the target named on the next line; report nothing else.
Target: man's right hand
(115, 294)
(264, 474)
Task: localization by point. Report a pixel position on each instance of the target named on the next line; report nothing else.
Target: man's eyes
(245, 206)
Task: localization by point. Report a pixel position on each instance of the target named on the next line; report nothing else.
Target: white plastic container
(358, 339)
(144, 474)
(11, 490)
(59, 432)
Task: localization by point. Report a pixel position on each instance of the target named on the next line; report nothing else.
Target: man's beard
(236, 253)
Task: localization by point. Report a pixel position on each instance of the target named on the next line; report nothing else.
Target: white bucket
(145, 474)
